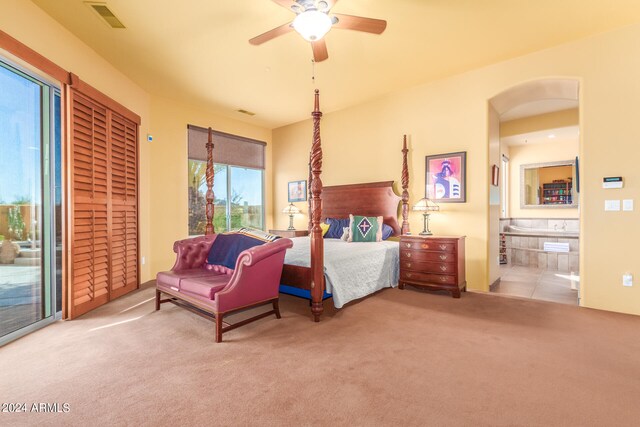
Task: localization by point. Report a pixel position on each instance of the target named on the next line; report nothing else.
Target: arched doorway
(534, 214)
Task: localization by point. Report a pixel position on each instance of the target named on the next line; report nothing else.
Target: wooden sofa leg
(276, 308)
(218, 327)
(158, 295)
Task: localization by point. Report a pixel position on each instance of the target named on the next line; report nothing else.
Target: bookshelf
(557, 193)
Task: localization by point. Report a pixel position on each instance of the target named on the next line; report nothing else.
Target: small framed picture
(446, 177)
(297, 191)
(495, 175)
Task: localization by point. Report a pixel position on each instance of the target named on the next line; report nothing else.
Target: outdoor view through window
(29, 202)
(238, 202)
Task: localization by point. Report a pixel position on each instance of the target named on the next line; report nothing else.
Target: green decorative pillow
(365, 228)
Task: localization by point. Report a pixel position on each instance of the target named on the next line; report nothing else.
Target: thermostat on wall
(612, 182)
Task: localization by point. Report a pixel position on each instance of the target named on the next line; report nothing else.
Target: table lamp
(426, 206)
(291, 210)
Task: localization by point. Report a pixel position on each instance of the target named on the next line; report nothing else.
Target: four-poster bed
(367, 199)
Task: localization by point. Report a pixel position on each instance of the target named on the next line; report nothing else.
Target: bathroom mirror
(548, 185)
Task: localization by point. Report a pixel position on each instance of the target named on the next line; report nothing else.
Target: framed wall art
(446, 177)
(297, 191)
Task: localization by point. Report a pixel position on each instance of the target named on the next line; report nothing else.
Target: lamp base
(290, 223)
(425, 231)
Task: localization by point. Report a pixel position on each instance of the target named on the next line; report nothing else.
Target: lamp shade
(291, 210)
(312, 24)
(427, 205)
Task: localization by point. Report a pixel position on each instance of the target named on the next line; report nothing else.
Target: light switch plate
(612, 205)
(627, 280)
(627, 205)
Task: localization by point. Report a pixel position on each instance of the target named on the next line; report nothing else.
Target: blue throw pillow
(387, 231)
(336, 226)
(227, 247)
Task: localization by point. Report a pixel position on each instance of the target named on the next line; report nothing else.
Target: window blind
(227, 149)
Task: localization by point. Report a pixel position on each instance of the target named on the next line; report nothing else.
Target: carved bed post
(317, 244)
(209, 196)
(309, 194)
(405, 186)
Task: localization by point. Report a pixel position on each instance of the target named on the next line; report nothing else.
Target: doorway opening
(534, 209)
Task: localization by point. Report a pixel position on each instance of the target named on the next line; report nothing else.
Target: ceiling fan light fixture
(312, 25)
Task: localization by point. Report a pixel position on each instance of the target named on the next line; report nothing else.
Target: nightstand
(433, 262)
(290, 233)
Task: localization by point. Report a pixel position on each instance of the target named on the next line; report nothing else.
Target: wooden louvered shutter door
(89, 176)
(104, 199)
(124, 195)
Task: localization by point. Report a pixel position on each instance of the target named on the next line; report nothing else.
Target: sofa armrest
(256, 277)
(193, 252)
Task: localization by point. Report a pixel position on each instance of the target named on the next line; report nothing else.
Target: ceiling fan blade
(286, 3)
(319, 50)
(272, 34)
(358, 23)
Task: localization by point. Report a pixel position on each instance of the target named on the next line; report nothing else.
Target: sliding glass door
(29, 177)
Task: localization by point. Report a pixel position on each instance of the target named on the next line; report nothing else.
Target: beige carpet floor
(401, 358)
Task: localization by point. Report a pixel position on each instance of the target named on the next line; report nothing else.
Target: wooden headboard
(368, 199)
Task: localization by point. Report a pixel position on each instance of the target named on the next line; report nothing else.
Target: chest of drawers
(433, 262)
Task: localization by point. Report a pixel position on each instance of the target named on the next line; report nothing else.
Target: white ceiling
(197, 50)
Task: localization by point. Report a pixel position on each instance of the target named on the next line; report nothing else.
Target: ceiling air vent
(105, 13)
(248, 113)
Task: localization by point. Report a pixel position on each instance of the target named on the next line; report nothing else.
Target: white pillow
(345, 234)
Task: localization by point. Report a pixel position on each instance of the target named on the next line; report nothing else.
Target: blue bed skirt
(302, 293)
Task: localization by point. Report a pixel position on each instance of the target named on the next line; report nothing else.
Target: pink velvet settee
(215, 291)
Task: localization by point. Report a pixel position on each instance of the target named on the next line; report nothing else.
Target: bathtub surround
(525, 238)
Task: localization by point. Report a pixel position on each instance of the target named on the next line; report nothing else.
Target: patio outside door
(29, 175)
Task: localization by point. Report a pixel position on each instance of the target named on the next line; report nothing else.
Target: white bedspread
(352, 270)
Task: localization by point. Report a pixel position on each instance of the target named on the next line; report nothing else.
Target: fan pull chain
(313, 72)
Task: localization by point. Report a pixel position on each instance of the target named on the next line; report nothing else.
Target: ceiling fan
(313, 21)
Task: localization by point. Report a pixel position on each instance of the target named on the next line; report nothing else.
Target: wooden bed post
(309, 195)
(209, 229)
(317, 243)
(405, 186)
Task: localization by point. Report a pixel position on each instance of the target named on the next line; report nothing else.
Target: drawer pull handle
(443, 279)
(408, 245)
(408, 265)
(443, 247)
(425, 246)
(409, 274)
(409, 255)
(443, 257)
(443, 267)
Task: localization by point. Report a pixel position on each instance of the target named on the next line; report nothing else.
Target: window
(30, 201)
(238, 184)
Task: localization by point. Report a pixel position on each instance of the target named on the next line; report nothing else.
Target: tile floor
(540, 284)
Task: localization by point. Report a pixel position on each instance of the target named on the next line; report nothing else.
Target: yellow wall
(163, 162)
(168, 158)
(556, 173)
(541, 122)
(538, 153)
(362, 143)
